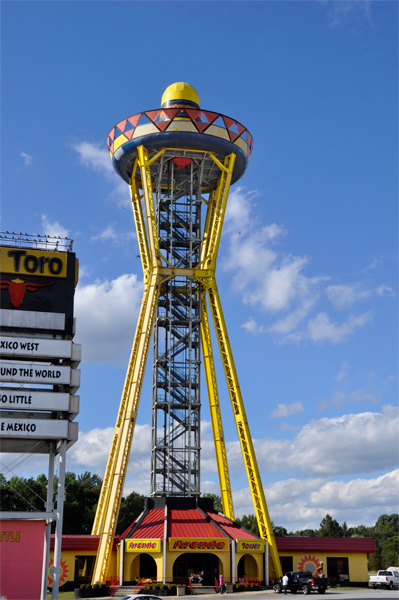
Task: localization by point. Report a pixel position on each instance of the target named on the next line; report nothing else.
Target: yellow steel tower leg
(212, 234)
(111, 492)
(216, 417)
(255, 483)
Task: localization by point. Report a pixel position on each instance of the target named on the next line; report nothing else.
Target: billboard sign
(198, 544)
(22, 427)
(37, 281)
(250, 546)
(38, 348)
(139, 545)
(17, 398)
(27, 372)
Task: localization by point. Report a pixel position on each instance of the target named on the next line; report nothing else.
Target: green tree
(217, 501)
(305, 533)
(81, 498)
(131, 507)
(329, 527)
(279, 531)
(20, 494)
(249, 522)
(390, 552)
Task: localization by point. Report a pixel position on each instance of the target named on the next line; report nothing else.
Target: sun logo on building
(309, 563)
(64, 571)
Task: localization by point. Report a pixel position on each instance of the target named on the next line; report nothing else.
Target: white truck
(387, 579)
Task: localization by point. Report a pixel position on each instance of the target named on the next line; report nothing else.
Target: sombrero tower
(179, 162)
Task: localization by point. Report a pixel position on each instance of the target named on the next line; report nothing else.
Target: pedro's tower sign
(179, 162)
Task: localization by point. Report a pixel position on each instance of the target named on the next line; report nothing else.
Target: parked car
(301, 581)
(139, 597)
(387, 579)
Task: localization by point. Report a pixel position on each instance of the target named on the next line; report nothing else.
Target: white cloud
(111, 234)
(289, 324)
(320, 328)
(285, 410)
(344, 445)
(321, 451)
(263, 275)
(342, 296)
(354, 11)
(53, 228)
(384, 290)
(96, 158)
(288, 427)
(344, 395)
(252, 327)
(303, 503)
(340, 397)
(267, 278)
(343, 373)
(27, 158)
(106, 314)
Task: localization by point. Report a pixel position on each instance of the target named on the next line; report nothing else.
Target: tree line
(82, 493)
(81, 498)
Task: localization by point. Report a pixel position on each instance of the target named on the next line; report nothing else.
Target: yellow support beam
(107, 514)
(140, 229)
(214, 230)
(146, 183)
(244, 435)
(216, 417)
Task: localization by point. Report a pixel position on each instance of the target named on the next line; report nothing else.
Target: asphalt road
(333, 594)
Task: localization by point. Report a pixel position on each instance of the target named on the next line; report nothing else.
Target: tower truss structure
(179, 162)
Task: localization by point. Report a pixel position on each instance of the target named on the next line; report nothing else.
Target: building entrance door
(202, 568)
(338, 570)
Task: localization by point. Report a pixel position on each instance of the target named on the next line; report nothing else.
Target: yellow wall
(131, 565)
(67, 572)
(253, 568)
(358, 570)
(357, 562)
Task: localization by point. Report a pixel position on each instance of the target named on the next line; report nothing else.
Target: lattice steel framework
(176, 405)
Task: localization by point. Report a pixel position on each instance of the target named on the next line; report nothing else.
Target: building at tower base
(187, 543)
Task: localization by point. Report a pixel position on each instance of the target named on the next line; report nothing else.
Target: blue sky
(307, 267)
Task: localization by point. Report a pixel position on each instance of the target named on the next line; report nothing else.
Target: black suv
(301, 581)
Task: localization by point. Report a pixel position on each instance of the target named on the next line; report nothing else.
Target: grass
(62, 595)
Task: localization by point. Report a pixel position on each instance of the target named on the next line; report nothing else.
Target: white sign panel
(25, 399)
(25, 372)
(34, 428)
(38, 347)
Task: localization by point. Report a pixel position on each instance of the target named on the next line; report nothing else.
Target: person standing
(285, 583)
(222, 585)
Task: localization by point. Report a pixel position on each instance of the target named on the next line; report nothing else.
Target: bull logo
(17, 289)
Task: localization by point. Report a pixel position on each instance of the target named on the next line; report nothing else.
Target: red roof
(231, 529)
(325, 544)
(87, 543)
(190, 524)
(151, 526)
